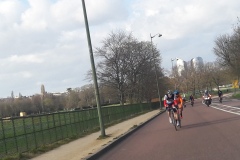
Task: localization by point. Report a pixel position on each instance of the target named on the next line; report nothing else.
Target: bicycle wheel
(175, 124)
(179, 120)
(173, 120)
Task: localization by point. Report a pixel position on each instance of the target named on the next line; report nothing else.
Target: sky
(45, 42)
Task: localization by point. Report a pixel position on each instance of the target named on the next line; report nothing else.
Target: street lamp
(93, 71)
(172, 63)
(159, 35)
(172, 59)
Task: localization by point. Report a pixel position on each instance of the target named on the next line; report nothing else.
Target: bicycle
(192, 103)
(174, 121)
(220, 99)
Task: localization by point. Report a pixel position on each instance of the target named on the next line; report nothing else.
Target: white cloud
(25, 59)
(44, 42)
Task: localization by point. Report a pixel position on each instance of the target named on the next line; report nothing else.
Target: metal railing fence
(22, 134)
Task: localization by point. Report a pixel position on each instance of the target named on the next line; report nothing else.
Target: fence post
(71, 123)
(49, 129)
(25, 133)
(14, 132)
(54, 126)
(79, 122)
(34, 133)
(65, 122)
(4, 140)
(59, 118)
(42, 130)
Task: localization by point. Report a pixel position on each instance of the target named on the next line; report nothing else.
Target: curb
(119, 139)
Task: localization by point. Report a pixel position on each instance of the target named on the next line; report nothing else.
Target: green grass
(236, 95)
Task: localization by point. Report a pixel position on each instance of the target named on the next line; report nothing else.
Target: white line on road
(227, 107)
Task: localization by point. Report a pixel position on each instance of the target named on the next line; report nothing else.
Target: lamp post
(93, 72)
(172, 59)
(172, 63)
(155, 67)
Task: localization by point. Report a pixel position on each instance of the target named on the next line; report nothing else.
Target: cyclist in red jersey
(168, 101)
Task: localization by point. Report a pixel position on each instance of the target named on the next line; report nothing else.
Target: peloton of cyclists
(173, 101)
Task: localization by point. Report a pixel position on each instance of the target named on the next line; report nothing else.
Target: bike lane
(206, 134)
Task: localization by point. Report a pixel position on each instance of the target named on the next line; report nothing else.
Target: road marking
(226, 108)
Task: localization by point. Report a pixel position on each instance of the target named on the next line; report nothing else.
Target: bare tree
(227, 48)
(87, 96)
(126, 64)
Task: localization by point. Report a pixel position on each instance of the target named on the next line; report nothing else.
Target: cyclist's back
(219, 93)
(191, 98)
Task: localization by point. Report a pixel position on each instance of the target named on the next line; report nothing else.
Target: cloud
(25, 59)
(45, 42)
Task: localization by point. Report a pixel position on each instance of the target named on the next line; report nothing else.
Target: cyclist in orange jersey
(178, 101)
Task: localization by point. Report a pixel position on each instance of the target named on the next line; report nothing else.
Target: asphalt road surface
(207, 133)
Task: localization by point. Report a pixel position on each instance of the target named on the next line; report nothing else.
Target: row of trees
(211, 75)
(194, 80)
(126, 73)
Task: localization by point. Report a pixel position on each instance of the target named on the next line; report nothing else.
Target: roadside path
(85, 146)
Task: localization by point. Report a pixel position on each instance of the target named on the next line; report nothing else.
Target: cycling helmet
(169, 92)
(176, 92)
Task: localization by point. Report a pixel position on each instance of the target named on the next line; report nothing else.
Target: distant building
(197, 63)
(181, 65)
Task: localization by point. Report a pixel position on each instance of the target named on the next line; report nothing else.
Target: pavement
(89, 147)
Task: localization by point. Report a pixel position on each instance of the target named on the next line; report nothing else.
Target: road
(207, 133)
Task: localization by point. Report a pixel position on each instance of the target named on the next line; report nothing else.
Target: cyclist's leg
(180, 109)
(168, 111)
(175, 113)
(169, 114)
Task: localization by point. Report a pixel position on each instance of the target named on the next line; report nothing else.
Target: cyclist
(168, 102)
(191, 98)
(220, 94)
(178, 102)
